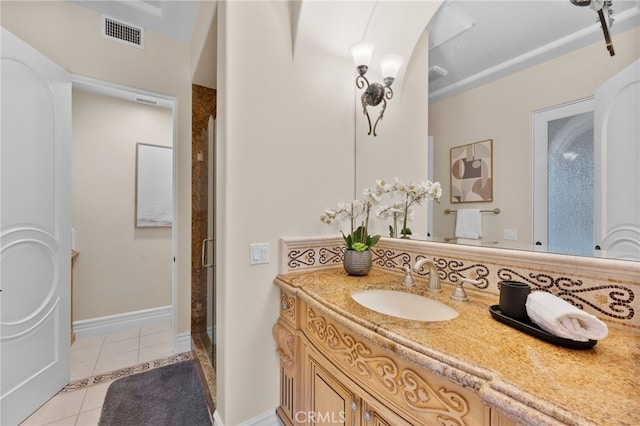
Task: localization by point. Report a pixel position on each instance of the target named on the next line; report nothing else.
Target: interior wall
(204, 46)
(120, 268)
(70, 35)
(502, 111)
(286, 133)
(401, 147)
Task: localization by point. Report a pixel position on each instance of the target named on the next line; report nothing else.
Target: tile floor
(80, 403)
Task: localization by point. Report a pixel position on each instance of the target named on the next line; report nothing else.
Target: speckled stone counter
(523, 377)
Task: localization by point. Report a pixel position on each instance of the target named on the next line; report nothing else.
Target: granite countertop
(524, 377)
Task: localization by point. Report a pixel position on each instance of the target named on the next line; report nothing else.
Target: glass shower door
(564, 179)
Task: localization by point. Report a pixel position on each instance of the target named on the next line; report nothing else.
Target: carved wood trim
(442, 405)
(288, 306)
(284, 340)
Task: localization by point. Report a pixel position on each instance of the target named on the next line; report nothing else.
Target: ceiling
(473, 41)
(173, 18)
(496, 38)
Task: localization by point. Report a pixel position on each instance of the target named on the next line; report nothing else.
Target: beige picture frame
(471, 170)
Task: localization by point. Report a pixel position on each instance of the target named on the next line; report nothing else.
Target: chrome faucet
(434, 279)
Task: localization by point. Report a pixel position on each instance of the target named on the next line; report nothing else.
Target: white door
(35, 240)
(617, 183)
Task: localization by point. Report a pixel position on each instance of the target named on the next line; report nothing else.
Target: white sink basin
(404, 305)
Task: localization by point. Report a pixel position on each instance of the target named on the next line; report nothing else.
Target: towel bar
(495, 211)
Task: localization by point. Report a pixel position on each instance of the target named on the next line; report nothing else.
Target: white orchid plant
(410, 194)
(358, 238)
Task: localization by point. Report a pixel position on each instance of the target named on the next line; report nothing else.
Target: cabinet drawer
(422, 396)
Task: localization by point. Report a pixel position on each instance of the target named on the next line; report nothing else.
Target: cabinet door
(329, 402)
(498, 419)
(374, 413)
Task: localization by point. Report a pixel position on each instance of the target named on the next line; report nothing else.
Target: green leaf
(359, 247)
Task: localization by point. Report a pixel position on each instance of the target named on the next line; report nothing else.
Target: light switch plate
(259, 253)
(510, 234)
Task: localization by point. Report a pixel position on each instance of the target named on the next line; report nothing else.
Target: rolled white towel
(562, 319)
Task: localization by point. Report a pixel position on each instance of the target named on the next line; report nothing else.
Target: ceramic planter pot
(357, 262)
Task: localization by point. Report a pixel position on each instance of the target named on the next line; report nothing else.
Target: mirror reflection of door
(586, 171)
(617, 184)
(564, 179)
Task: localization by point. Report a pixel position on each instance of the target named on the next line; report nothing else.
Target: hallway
(96, 362)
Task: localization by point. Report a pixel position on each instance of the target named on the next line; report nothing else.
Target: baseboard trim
(268, 418)
(112, 323)
(182, 343)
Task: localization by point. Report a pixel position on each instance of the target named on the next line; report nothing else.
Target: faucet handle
(408, 278)
(458, 293)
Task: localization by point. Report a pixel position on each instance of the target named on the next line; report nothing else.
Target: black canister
(513, 299)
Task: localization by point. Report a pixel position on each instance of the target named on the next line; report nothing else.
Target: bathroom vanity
(343, 363)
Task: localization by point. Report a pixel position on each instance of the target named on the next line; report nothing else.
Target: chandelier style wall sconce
(604, 9)
(375, 93)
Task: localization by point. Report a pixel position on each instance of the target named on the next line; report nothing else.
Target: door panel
(617, 184)
(35, 246)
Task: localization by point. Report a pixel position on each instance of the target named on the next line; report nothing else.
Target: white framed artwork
(154, 189)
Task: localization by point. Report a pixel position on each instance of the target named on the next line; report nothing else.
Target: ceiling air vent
(436, 71)
(115, 29)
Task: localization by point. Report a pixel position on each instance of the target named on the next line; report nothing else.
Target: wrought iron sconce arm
(374, 94)
(601, 7)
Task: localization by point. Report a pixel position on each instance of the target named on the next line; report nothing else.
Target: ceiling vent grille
(123, 32)
(436, 72)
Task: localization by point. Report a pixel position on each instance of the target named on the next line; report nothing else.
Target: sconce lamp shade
(362, 53)
(390, 65)
(374, 93)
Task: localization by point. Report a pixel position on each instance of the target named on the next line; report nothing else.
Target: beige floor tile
(150, 353)
(80, 370)
(119, 346)
(57, 408)
(155, 338)
(90, 353)
(155, 328)
(86, 342)
(89, 418)
(116, 362)
(68, 421)
(94, 397)
(122, 335)
(100, 354)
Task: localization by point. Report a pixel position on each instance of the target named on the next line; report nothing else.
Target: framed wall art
(472, 172)
(154, 185)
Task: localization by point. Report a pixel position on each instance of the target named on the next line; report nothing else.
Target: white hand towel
(469, 224)
(562, 319)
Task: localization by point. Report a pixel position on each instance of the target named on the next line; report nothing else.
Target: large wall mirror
(495, 70)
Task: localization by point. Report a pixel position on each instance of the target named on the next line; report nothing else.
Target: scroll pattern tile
(603, 287)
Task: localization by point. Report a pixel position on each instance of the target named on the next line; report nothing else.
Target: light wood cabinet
(284, 333)
(330, 397)
(498, 419)
(332, 375)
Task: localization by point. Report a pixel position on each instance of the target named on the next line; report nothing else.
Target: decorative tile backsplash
(603, 287)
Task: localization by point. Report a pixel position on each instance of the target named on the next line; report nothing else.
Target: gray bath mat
(165, 396)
